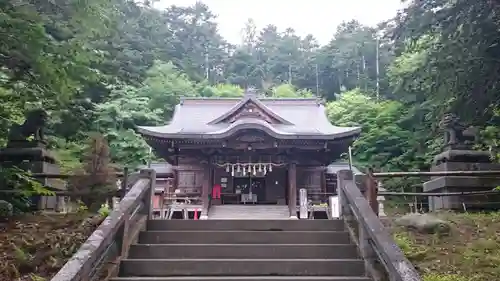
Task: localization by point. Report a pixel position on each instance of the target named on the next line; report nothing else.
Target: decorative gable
(250, 108)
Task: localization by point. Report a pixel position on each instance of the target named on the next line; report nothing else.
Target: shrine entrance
(251, 190)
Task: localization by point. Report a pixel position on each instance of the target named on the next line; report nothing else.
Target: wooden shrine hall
(250, 150)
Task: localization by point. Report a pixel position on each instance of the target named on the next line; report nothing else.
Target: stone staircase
(249, 212)
(210, 250)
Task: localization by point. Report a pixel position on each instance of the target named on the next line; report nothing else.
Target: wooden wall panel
(190, 176)
(310, 179)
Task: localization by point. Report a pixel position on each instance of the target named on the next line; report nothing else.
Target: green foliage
(6, 210)
(43, 47)
(82, 208)
(110, 66)
(290, 91)
(384, 141)
(461, 58)
(491, 138)
(67, 154)
(446, 59)
(164, 86)
(221, 90)
(21, 187)
(128, 148)
(105, 210)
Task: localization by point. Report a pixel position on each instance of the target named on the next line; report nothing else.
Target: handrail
(130, 179)
(436, 174)
(377, 247)
(110, 241)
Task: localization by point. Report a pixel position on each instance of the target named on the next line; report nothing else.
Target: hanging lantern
(270, 167)
(254, 170)
(227, 167)
(238, 168)
(232, 170)
(243, 170)
(260, 168)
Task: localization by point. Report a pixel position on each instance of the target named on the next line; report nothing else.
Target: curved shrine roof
(284, 118)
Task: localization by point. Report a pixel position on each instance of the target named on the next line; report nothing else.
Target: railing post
(372, 190)
(124, 181)
(368, 187)
(151, 175)
(368, 253)
(342, 176)
(124, 236)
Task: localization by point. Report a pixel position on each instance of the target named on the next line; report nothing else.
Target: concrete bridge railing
(384, 260)
(99, 257)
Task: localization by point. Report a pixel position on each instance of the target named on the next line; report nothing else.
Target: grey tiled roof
(300, 118)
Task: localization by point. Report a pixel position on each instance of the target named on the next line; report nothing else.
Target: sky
(317, 17)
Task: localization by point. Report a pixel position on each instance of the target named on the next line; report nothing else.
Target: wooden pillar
(372, 191)
(175, 181)
(205, 191)
(292, 191)
(175, 172)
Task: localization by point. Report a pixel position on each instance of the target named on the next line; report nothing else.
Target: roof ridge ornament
(250, 107)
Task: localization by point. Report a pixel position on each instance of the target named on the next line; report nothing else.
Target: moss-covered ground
(470, 252)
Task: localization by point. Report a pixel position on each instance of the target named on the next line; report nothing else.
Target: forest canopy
(109, 65)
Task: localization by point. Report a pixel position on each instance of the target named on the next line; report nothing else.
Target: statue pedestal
(447, 184)
(462, 155)
(33, 156)
(458, 155)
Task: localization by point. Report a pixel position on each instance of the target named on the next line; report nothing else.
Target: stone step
(244, 278)
(275, 225)
(242, 267)
(246, 212)
(244, 237)
(241, 251)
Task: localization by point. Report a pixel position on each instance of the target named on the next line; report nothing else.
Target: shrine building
(257, 150)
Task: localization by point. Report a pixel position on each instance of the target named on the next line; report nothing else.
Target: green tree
(96, 178)
(222, 90)
(117, 118)
(384, 143)
(289, 91)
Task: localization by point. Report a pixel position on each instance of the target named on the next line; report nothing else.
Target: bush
(6, 210)
(23, 188)
(97, 177)
(105, 210)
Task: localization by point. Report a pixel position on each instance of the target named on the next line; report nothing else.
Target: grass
(471, 252)
(35, 247)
